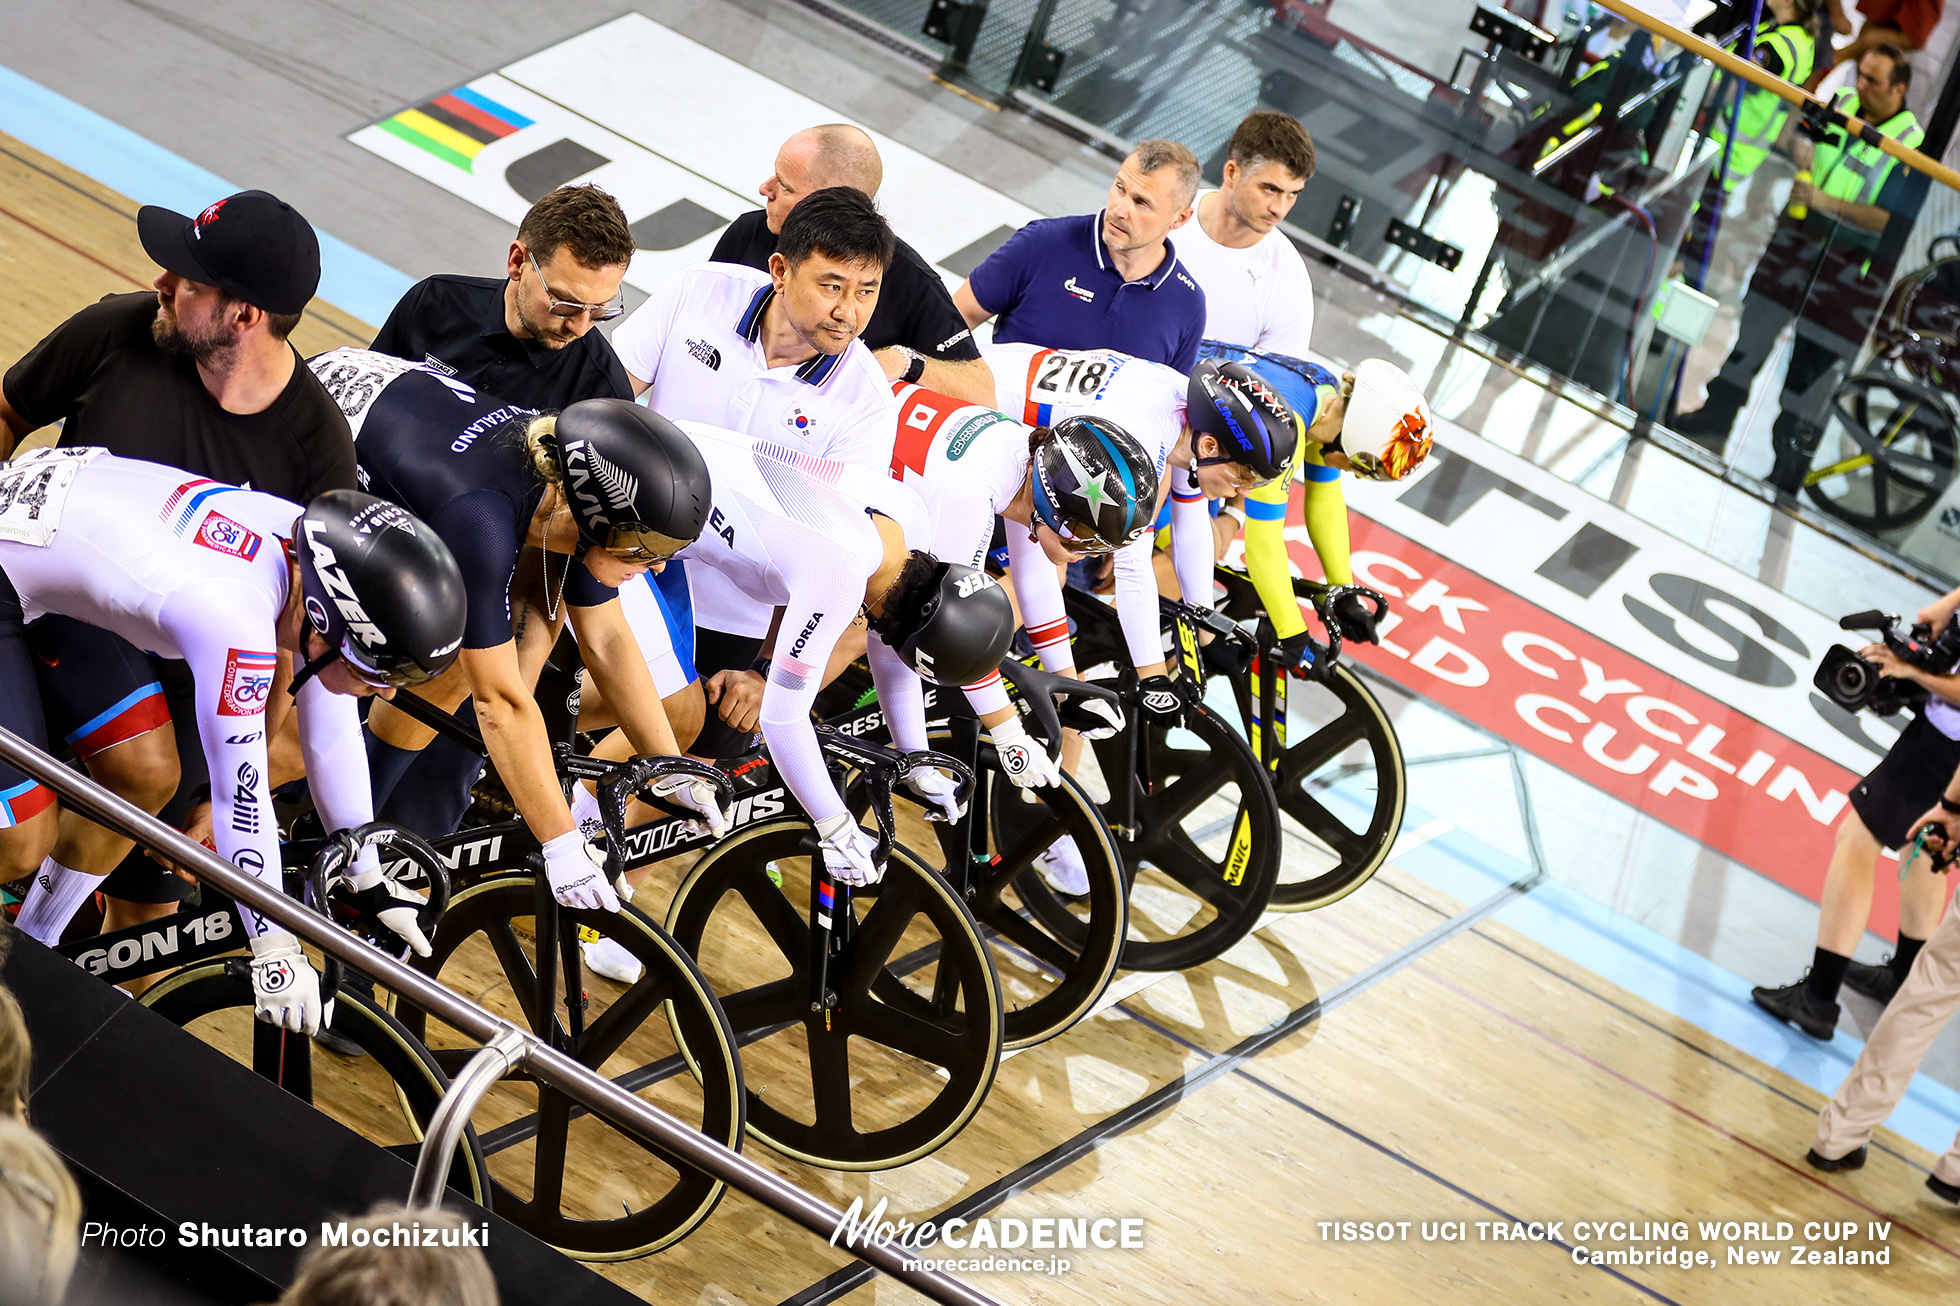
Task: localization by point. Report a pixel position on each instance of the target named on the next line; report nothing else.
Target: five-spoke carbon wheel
(213, 1000)
(1341, 788)
(640, 1198)
(905, 1057)
(1206, 853)
(1055, 954)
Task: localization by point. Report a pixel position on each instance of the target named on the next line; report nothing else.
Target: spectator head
(830, 264)
(382, 1274)
(1150, 197)
(1266, 166)
(565, 266)
(1884, 75)
(40, 1216)
(16, 1056)
(818, 158)
(237, 276)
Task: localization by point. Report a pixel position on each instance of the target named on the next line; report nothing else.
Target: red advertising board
(1672, 751)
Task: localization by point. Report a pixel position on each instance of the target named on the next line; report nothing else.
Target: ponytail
(541, 443)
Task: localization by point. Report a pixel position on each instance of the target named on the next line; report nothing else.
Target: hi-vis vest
(1857, 172)
(1763, 113)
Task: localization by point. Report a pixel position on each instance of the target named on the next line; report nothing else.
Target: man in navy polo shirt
(1109, 280)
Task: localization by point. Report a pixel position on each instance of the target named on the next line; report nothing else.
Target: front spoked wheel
(629, 1197)
(1207, 848)
(1055, 954)
(906, 1057)
(1341, 787)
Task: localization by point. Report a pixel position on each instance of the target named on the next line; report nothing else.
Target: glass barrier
(1566, 199)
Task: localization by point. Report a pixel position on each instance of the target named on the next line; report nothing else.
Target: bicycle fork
(1263, 701)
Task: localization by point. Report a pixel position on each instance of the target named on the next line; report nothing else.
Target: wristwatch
(915, 367)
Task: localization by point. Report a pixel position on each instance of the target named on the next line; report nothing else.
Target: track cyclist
(604, 490)
(1373, 422)
(354, 592)
(1080, 487)
(821, 542)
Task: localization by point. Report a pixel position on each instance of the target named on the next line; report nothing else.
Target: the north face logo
(705, 353)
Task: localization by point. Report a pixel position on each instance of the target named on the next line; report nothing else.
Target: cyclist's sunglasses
(1078, 537)
(605, 312)
(632, 542)
(401, 677)
(1252, 480)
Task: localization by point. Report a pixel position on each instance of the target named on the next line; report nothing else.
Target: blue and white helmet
(1093, 484)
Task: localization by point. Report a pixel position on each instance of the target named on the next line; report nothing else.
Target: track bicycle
(890, 985)
(1341, 782)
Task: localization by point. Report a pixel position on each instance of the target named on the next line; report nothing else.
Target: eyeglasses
(605, 312)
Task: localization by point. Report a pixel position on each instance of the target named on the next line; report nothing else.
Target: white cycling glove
(285, 987)
(577, 878)
(847, 851)
(396, 907)
(697, 796)
(939, 790)
(1026, 763)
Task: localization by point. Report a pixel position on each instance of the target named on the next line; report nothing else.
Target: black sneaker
(1794, 1003)
(1943, 1190)
(1849, 1161)
(1878, 983)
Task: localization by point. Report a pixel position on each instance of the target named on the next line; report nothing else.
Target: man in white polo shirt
(772, 354)
(1257, 292)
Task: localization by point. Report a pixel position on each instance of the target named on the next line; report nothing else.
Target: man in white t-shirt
(1257, 292)
(774, 355)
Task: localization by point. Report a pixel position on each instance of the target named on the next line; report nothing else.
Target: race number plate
(33, 489)
(356, 377)
(1071, 377)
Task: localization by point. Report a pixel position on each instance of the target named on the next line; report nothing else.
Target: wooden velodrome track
(1396, 1057)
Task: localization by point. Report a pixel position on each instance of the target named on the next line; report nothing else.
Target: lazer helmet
(380, 587)
(1093, 484)
(1252, 423)
(635, 483)
(1386, 433)
(950, 623)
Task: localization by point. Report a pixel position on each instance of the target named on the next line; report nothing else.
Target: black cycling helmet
(1252, 423)
(1093, 484)
(635, 483)
(948, 622)
(381, 587)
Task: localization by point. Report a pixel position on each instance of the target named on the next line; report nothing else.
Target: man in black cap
(199, 376)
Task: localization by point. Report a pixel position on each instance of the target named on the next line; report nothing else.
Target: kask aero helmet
(635, 483)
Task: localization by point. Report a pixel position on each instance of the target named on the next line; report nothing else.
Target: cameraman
(1884, 813)
(1884, 1070)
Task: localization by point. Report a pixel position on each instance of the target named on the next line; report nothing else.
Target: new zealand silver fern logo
(621, 489)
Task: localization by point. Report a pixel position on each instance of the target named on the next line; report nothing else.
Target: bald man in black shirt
(915, 332)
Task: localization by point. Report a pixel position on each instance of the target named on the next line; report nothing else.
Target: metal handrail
(546, 1064)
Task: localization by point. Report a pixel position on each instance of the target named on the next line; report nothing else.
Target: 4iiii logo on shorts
(220, 533)
(248, 683)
